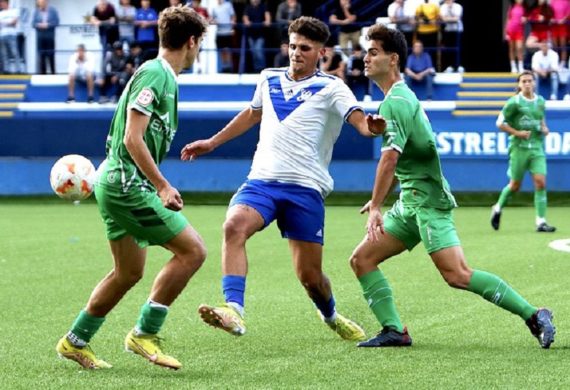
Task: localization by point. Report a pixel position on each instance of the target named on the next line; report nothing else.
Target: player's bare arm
(241, 123)
(524, 134)
(134, 142)
(367, 125)
(383, 185)
(545, 130)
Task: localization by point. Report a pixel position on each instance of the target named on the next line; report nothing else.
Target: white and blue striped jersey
(300, 123)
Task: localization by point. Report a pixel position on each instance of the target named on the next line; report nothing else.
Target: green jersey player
(523, 118)
(138, 205)
(424, 211)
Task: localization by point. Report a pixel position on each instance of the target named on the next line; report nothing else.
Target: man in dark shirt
(255, 19)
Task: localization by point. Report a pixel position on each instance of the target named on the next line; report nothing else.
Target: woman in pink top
(514, 34)
(560, 28)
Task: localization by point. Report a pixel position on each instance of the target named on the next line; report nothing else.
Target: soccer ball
(72, 177)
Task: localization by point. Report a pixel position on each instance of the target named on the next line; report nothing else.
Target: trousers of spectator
(10, 54)
(451, 42)
(554, 82)
(345, 38)
(257, 45)
(427, 80)
(46, 50)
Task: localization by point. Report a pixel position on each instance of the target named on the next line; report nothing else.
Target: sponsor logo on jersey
(145, 97)
(274, 90)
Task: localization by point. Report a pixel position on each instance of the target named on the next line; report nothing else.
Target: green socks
(378, 294)
(504, 197)
(495, 290)
(540, 202)
(84, 328)
(151, 317)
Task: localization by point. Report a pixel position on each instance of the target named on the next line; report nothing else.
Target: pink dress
(515, 27)
(561, 10)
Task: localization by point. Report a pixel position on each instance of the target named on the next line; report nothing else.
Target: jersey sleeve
(343, 100)
(146, 90)
(397, 129)
(257, 100)
(507, 113)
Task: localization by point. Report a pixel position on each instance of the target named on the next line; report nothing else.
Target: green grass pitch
(52, 254)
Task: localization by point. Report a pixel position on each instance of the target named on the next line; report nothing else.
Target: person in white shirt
(545, 66)
(451, 14)
(403, 14)
(301, 111)
(81, 68)
(9, 53)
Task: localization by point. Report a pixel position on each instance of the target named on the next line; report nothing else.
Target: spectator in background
(115, 67)
(349, 32)
(539, 18)
(256, 18)
(9, 53)
(105, 18)
(287, 11)
(419, 69)
(282, 58)
(223, 15)
(126, 15)
(81, 68)
(332, 62)
(514, 34)
(196, 6)
(559, 29)
(427, 19)
(136, 57)
(45, 20)
(175, 3)
(451, 14)
(146, 21)
(403, 15)
(355, 77)
(545, 67)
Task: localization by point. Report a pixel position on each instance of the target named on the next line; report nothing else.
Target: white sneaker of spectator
(449, 69)
(460, 69)
(567, 97)
(553, 97)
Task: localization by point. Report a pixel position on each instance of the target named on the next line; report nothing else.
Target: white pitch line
(560, 245)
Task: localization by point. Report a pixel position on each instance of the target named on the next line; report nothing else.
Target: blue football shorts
(299, 211)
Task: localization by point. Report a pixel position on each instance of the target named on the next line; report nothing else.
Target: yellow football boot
(347, 329)
(84, 356)
(224, 317)
(148, 346)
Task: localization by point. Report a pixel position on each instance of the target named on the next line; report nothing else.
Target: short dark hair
(311, 28)
(392, 41)
(177, 24)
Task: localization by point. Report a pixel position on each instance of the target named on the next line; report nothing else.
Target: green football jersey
(409, 132)
(153, 91)
(524, 114)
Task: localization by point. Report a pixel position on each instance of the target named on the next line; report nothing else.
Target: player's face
(304, 55)
(526, 84)
(378, 63)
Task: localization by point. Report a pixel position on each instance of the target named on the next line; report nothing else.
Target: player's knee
(129, 277)
(234, 231)
(358, 262)
(310, 278)
(515, 186)
(195, 256)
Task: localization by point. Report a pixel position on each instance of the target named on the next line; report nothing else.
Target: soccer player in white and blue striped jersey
(301, 111)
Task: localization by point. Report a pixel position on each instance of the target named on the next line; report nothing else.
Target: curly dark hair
(392, 41)
(177, 24)
(311, 28)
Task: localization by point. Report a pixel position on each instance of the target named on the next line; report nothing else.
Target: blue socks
(327, 308)
(234, 289)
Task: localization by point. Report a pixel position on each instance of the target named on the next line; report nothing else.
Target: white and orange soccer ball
(72, 177)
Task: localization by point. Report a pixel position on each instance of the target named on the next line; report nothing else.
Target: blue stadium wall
(473, 152)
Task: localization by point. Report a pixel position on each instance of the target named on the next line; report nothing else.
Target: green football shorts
(139, 214)
(434, 227)
(522, 160)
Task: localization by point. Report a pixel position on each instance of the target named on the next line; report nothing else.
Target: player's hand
(195, 149)
(375, 223)
(171, 198)
(524, 134)
(376, 124)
